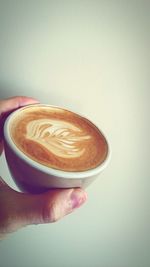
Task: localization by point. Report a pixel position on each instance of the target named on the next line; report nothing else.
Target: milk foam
(60, 137)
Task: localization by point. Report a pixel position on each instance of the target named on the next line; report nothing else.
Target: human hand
(21, 209)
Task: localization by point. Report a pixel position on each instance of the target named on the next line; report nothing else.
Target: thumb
(50, 206)
(20, 209)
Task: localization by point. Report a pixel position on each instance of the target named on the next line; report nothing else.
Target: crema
(58, 138)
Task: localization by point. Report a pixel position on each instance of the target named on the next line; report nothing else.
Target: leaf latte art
(58, 138)
(61, 138)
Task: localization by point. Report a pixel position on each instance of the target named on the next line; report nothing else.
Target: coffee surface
(58, 138)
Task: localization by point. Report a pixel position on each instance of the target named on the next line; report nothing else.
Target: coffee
(58, 138)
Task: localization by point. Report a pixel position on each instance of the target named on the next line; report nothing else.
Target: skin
(21, 209)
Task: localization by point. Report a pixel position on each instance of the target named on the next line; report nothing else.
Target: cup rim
(50, 170)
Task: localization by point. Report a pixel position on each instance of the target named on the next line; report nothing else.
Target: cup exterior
(33, 177)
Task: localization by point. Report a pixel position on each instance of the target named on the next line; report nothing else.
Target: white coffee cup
(31, 176)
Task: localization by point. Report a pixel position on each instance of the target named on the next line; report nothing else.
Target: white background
(92, 57)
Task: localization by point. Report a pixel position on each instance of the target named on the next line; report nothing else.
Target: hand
(20, 209)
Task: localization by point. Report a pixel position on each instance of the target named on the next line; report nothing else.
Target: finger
(1, 146)
(50, 206)
(8, 105)
(2, 182)
(12, 103)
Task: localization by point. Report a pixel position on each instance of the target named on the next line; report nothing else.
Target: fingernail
(28, 101)
(78, 197)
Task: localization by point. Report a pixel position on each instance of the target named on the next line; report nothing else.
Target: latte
(58, 138)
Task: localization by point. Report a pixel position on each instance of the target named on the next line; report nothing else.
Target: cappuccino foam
(58, 138)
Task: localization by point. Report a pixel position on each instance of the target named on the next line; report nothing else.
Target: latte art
(58, 138)
(61, 138)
